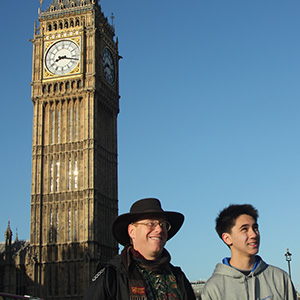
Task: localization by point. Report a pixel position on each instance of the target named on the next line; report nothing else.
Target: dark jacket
(111, 282)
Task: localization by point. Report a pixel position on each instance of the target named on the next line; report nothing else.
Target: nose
(254, 232)
(158, 228)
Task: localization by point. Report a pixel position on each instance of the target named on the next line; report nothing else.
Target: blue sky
(209, 116)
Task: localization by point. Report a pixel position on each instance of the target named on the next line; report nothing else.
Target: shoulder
(178, 273)
(103, 284)
(275, 272)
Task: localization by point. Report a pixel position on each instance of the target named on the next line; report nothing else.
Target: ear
(131, 231)
(226, 237)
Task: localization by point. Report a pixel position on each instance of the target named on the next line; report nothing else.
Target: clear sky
(209, 116)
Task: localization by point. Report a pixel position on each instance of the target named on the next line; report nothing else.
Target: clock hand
(65, 57)
(60, 57)
(74, 58)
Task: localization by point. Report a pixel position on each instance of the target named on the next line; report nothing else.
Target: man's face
(149, 242)
(244, 237)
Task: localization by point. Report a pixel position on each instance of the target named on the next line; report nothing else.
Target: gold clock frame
(47, 44)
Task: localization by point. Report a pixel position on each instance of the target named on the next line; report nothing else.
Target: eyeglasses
(164, 225)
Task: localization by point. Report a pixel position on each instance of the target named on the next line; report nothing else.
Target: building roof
(64, 4)
(15, 247)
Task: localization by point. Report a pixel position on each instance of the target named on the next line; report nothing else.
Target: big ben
(74, 199)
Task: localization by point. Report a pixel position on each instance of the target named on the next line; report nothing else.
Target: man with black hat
(143, 269)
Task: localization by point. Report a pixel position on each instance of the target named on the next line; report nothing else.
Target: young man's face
(150, 243)
(243, 238)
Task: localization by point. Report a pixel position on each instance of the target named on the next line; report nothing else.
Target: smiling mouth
(156, 238)
(253, 244)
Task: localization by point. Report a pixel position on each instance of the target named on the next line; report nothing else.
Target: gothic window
(76, 124)
(75, 225)
(52, 126)
(77, 22)
(44, 89)
(56, 229)
(57, 176)
(67, 85)
(70, 125)
(76, 175)
(50, 281)
(72, 22)
(51, 176)
(79, 84)
(56, 280)
(70, 174)
(55, 26)
(66, 24)
(51, 227)
(49, 27)
(69, 224)
(60, 24)
(55, 88)
(58, 126)
(75, 279)
(69, 282)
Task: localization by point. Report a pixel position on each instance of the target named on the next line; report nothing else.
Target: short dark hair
(226, 218)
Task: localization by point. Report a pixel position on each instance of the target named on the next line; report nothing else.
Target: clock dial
(62, 57)
(108, 66)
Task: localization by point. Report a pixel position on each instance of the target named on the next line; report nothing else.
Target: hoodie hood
(227, 270)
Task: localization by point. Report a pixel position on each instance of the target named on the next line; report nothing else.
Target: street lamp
(288, 257)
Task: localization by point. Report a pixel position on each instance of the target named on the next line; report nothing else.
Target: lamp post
(288, 257)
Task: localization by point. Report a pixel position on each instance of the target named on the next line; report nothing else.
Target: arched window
(66, 24)
(60, 25)
(69, 174)
(56, 229)
(55, 26)
(51, 227)
(69, 224)
(49, 27)
(57, 175)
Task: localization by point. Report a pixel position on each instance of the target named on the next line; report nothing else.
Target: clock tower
(74, 199)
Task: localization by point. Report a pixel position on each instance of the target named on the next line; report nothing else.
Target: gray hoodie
(265, 282)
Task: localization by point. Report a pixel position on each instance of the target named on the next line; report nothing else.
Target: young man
(245, 275)
(143, 269)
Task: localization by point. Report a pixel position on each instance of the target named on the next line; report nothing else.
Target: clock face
(108, 66)
(62, 57)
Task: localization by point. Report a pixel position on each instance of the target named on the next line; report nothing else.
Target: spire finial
(112, 19)
(17, 237)
(40, 8)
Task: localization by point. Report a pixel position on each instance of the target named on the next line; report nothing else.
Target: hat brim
(120, 224)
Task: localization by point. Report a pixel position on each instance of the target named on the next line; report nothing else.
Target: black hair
(226, 218)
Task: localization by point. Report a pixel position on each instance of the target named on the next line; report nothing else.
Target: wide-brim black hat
(145, 208)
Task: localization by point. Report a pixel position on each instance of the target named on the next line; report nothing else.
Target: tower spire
(40, 8)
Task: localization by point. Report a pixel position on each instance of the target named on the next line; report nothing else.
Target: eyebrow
(248, 225)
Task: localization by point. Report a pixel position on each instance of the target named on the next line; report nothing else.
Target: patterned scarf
(151, 280)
